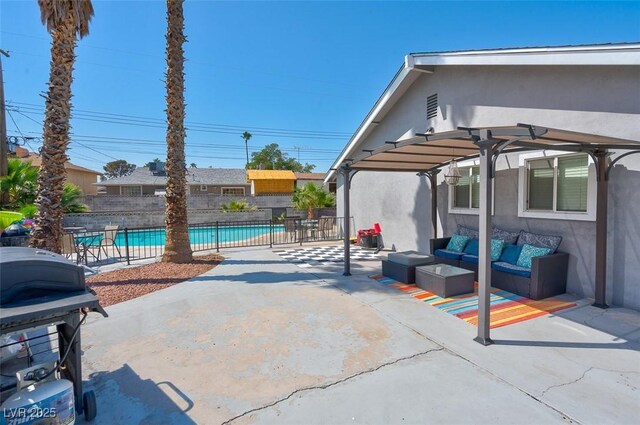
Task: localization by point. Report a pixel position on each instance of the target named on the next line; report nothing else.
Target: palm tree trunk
(177, 246)
(47, 232)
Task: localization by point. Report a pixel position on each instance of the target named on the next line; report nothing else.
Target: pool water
(197, 235)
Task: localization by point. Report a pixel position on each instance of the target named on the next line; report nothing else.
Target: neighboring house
(315, 178)
(268, 182)
(80, 176)
(590, 89)
(200, 181)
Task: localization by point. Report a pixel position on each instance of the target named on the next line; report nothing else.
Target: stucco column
(346, 184)
(601, 229)
(484, 258)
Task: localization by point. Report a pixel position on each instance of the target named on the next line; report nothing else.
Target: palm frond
(54, 12)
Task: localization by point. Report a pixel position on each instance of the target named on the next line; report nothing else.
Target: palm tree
(177, 246)
(64, 19)
(246, 136)
(309, 197)
(19, 184)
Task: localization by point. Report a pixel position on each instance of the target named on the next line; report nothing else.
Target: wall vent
(432, 106)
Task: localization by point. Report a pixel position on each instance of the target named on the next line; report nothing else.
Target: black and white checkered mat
(320, 255)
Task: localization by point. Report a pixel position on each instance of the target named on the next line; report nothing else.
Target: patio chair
(325, 225)
(70, 247)
(292, 226)
(109, 240)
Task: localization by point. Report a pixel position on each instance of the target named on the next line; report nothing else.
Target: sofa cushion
(410, 258)
(470, 258)
(530, 251)
(511, 268)
(467, 231)
(509, 238)
(510, 254)
(496, 249)
(457, 243)
(452, 255)
(545, 241)
(472, 247)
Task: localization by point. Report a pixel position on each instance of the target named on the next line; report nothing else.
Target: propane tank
(50, 403)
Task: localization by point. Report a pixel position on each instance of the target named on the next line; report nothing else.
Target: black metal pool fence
(117, 244)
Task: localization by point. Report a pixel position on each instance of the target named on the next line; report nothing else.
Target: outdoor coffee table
(444, 280)
(401, 266)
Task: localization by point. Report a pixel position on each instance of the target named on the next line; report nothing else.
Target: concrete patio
(260, 340)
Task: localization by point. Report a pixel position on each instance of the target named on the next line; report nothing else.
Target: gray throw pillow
(509, 238)
(466, 231)
(545, 241)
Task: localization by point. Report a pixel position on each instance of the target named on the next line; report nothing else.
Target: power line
(127, 141)
(19, 131)
(193, 125)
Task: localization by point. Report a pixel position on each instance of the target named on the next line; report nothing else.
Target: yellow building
(266, 182)
(80, 176)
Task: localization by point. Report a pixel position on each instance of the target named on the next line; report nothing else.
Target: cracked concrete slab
(231, 340)
(317, 347)
(438, 387)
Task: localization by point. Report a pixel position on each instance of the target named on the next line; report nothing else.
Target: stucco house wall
(601, 100)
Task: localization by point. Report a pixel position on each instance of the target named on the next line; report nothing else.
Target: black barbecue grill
(39, 289)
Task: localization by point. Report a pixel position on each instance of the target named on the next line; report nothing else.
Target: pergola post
(484, 258)
(433, 181)
(601, 228)
(346, 185)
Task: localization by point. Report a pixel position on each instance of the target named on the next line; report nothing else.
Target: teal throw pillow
(510, 254)
(496, 249)
(457, 243)
(472, 247)
(528, 252)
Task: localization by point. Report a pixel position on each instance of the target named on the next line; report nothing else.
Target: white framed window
(233, 191)
(557, 185)
(203, 188)
(131, 190)
(464, 198)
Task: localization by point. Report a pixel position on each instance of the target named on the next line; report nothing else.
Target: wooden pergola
(428, 153)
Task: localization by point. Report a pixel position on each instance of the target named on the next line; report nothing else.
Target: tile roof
(36, 161)
(310, 176)
(270, 175)
(205, 176)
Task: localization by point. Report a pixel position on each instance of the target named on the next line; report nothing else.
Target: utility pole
(298, 149)
(4, 143)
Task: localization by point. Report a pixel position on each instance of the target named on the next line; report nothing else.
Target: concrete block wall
(97, 221)
(102, 203)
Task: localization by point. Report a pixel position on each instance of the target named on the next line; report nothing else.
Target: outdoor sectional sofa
(546, 277)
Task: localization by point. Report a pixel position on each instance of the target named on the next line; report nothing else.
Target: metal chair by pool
(109, 240)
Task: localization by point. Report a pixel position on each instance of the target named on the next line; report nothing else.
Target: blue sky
(301, 74)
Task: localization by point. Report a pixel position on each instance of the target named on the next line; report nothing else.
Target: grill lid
(30, 273)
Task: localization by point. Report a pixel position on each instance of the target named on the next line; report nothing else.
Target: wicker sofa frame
(548, 273)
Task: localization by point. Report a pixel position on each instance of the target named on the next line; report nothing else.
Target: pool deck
(260, 340)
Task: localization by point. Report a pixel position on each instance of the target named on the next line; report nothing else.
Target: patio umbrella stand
(41, 369)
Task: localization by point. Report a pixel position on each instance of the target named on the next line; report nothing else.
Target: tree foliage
(272, 158)
(310, 196)
(21, 184)
(155, 161)
(118, 168)
(238, 205)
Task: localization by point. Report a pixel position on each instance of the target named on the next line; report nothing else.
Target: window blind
(572, 184)
(541, 184)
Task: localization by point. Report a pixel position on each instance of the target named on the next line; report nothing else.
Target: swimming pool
(197, 235)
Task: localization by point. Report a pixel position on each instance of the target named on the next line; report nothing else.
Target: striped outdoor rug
(506, 308)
